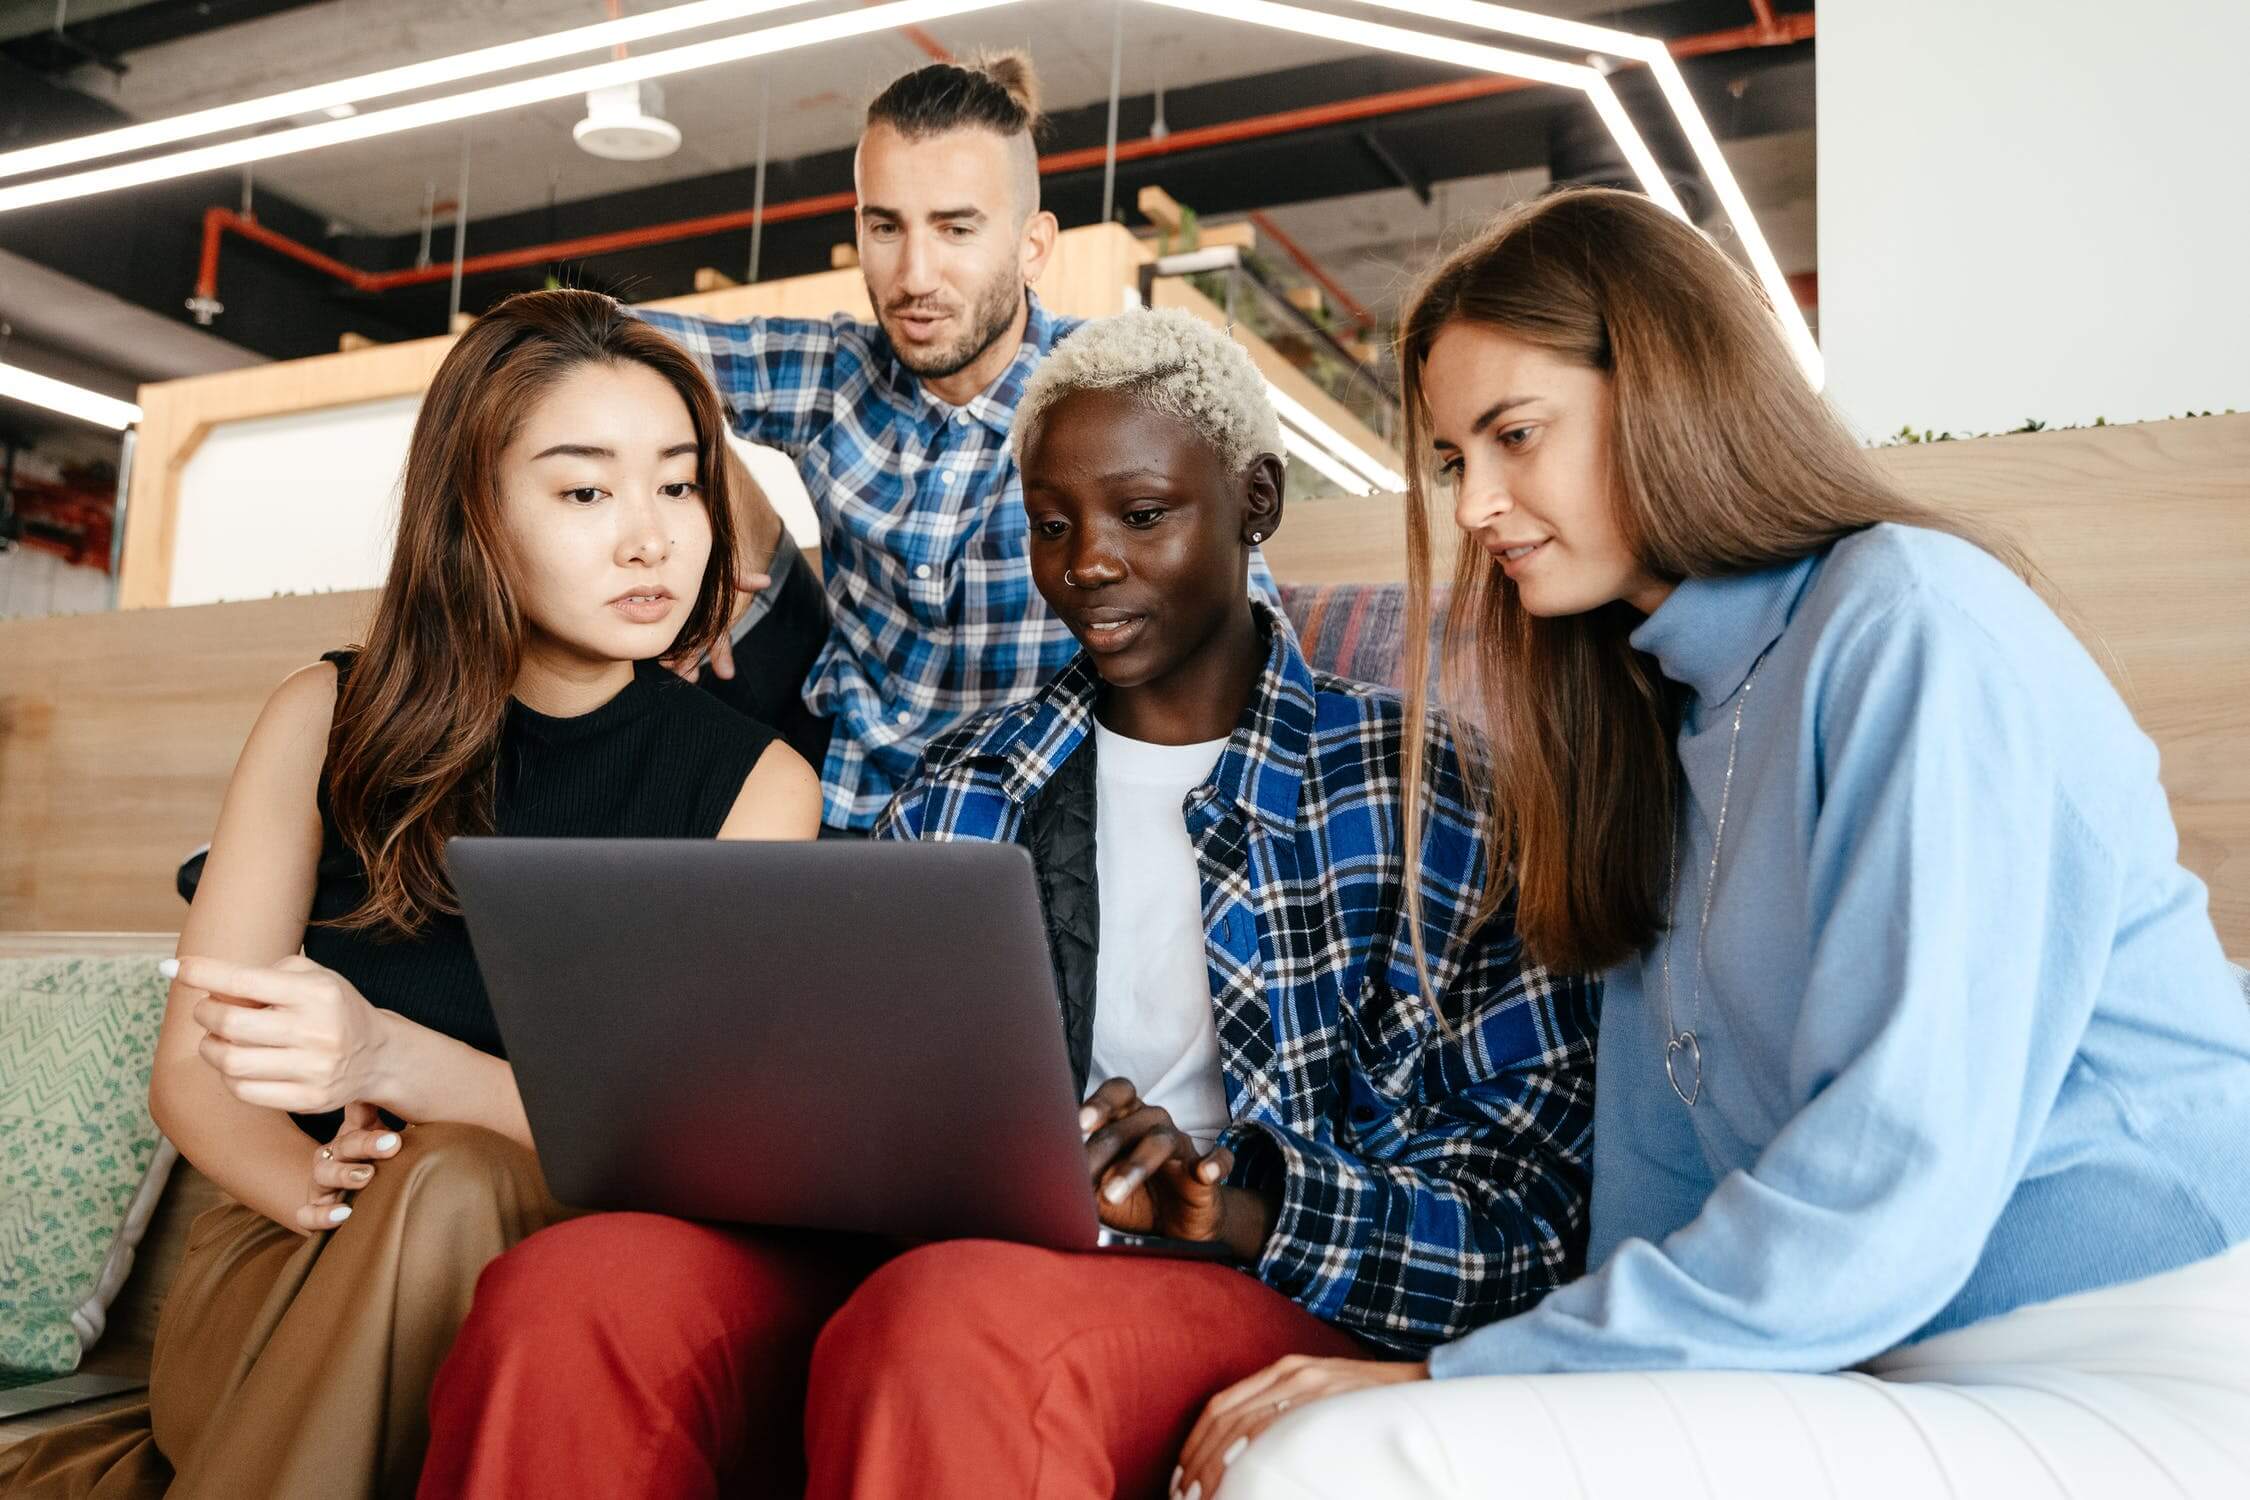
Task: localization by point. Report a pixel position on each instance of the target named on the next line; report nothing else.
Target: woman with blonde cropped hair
(1922, 1083)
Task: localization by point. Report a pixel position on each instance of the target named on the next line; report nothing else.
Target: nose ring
(1069, 578)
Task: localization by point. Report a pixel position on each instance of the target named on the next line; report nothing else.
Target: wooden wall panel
(2143, 535)
(117, 731)
(117, 735)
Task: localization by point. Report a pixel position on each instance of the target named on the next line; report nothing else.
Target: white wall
(308, 503)
(2033, 208)
(298, 504)
(35, 582)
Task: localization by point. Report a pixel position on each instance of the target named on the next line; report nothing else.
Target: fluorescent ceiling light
(1477, 55)
(1506, 20)
(1315, 458)
(71, 400)
(488, 100)
(1295, 413)
(1650, 51)
(337, 99)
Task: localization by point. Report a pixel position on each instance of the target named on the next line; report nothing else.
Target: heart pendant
(1685, 1050)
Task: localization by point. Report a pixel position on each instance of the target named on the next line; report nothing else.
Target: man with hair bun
(899, 429)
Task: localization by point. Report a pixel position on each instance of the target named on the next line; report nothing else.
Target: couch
(1352, 629)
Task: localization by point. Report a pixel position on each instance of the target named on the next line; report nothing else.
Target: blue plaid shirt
(1431, 1178)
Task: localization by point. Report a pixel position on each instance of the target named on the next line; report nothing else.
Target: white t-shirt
(1152, 986)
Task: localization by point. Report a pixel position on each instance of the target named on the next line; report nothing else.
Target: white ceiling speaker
(625, 122)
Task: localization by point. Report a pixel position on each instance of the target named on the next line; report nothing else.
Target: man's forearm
(757, 525)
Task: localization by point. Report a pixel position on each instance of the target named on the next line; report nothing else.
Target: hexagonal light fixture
(342, 98)
(1650, 52)
(371, 124)
(1589, 78)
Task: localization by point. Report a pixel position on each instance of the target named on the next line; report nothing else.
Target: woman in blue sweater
(1923, 1085)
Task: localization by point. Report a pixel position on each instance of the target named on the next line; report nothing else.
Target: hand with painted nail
(1232, 1419)
(1149, 1178)
(291, 1035)
(345, 1165)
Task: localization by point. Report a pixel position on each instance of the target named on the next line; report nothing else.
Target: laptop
(22, 1395)
(837, 1035)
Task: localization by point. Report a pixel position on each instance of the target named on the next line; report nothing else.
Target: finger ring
(326, 1154)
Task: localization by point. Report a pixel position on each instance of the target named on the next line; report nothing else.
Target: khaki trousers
(292, 1366)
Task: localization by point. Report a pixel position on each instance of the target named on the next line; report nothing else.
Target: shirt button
(904, 719)
(922, 570)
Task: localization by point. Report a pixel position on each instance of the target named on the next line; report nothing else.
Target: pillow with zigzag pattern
(81, 1162)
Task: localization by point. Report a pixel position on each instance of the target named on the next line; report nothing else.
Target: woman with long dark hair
(329, 1057)
(1922, 1081)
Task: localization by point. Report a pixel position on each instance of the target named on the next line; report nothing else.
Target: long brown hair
(412, 751)
(1723, 461)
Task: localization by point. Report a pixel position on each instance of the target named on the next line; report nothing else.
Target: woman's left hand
(1233, 1418)
(292, 1036)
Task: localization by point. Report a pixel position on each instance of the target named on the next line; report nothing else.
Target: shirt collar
(995, 405)
(1262, 768)
(1711, 631)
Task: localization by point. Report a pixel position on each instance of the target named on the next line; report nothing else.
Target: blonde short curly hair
(1174, 361)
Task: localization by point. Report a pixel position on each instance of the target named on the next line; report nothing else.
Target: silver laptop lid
(842, 1035)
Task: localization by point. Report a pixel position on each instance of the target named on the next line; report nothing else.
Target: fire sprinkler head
(626, 123)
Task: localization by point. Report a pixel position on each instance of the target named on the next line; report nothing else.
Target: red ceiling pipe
(1791, 28)
(605, 244)
(1784, 31)
(1285, 122)
(217, 221)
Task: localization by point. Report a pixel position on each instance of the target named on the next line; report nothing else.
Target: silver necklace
(1682, 1050)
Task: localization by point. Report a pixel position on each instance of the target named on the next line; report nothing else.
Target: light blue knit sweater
(1968, 1038)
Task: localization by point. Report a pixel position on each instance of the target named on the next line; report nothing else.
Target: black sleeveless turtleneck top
(662, 759)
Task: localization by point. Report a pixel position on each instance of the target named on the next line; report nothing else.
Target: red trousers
(630, 1354)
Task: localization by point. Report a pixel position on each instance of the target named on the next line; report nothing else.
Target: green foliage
(1909, 434)
(1191, 235)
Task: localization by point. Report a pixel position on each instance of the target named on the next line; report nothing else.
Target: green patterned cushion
(81, 1162)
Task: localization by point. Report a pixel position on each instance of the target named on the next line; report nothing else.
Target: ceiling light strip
(1737, 206)
(400, 80)
(1384, 38)
(1310, 453)
(1296, 414)
(1654, 179)
(1507, 20)
(21, 384)
(490, 100)
(1434, 48)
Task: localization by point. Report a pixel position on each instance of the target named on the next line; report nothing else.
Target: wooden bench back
(118, 731)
